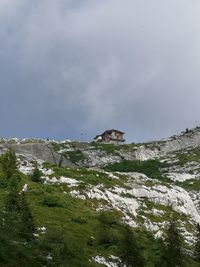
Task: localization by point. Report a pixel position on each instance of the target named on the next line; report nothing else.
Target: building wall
(113, 136)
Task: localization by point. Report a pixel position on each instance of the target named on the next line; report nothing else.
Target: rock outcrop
(39, 151)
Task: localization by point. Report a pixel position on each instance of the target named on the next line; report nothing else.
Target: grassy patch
(191, 184)
(190, 155)
(56, 146)
(107, 148)
(75, 156)
(152, 168)
(88, 176)
(166, 215)
(98, 233)
(51, 201)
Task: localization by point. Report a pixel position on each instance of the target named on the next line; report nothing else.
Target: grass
(191, 184)
(152, 168)
(191, 155)
(167, 214)
(78, 218)
(88, 176)
(107, 148)
(75, 156)
(58, 211)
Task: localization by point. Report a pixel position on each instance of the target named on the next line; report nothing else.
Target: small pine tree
(160, 253)
(26, 227)
(107, 220)
(12, 200)
(36, 175)
(197, 244)
(8, 164)
(172, 255)
(130, 253)
(12, 208)
(17, 217)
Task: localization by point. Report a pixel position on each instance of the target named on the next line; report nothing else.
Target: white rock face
(115, 200)
(130, 201)
(143, 153)
(183, 141)
(181, 177)
(112, 262)
(46, 172)
(174, 143)
(62, 180)
(26, 169)
(98, 158)
(176, 197)
(76, 194)
(25, 188)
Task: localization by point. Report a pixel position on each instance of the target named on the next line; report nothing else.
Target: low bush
(51, 201)
(74, 156)
(149, 167)
(36, 175)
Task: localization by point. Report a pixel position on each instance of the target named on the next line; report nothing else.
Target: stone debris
(25, 188)
(112, 262)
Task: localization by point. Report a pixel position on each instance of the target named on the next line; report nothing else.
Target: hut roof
(112, 130)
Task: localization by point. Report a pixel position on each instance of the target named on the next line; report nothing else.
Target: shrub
(79, 219)
(149, 167)
(74, 156)
(8, 163)
(36, 175)
(51, 201)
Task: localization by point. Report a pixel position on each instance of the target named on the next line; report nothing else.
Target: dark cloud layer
(68, 66)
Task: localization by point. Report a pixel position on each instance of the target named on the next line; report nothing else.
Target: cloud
(68, 66)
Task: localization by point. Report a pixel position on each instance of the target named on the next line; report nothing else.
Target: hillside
(87, 194)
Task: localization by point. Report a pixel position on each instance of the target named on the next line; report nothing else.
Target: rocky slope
(145, 199)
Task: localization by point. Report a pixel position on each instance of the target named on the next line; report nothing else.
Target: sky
(70, 69)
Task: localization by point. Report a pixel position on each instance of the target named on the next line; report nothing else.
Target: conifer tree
(108, 220)
(172, 255)
(18, 217)
(9, 164)
(197, 244)
(12, 208)
(130, 253)
(12, 200)
(36, 175)
(26, 227)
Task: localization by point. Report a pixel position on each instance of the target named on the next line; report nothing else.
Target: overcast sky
(68, 66)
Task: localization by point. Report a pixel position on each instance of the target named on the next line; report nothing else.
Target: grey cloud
(68, 66)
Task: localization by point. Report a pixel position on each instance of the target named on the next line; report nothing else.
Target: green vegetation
(107, 148)
(51, 201)
(8, 163)
(166, 213)
(130, 252)
(172, 253)
(191, 184)
(75, 156)
(75, 231)
(152, 168)
(188, 156)
(197, 244)
(88, 176)
(36, 175)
